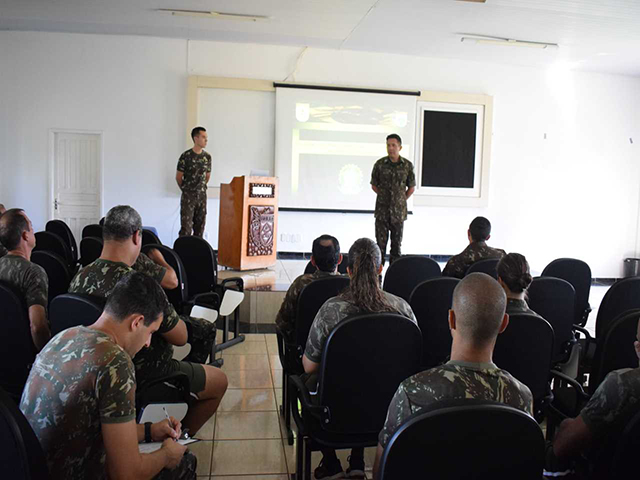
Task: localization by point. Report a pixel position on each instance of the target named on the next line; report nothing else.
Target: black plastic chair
(555, 300)
(430, 302)
(311, 298)
(342, 267)
(90, 250)
(486, 265)
(57, 272)
(179, 296)
(407, 272)
(50, 242)
(63, 231)
(72, 310)
(625, 459)
(459, 442)
(346, 413)
(18, 352)
(201, 266)
(578, 274)
(92, 230)
(21, 455)
(149, 238)
(525, 350)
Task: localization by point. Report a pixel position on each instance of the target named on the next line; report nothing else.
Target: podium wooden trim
(248, 227)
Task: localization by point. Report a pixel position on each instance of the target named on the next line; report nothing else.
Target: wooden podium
(248, 223)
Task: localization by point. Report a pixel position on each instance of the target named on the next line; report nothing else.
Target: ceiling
(593, 35)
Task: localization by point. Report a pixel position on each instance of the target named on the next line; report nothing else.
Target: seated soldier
(122, 236)
(3, 251)
(478, 234)
(154, 265)
(16, 268)
(80, 394)
(364, 295)
(514, 277)
(475, 320)
(325, 257)
(594, 433)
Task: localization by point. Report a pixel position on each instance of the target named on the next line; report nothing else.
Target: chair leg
(299, 457)
(288, 403)
(307, 458)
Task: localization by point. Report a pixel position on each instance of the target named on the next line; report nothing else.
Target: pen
(168, 419)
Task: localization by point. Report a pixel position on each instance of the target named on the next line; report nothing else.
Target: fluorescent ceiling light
(505, 42)
(212, 14)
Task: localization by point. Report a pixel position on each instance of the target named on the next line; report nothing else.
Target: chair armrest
(301, 392)
(207, 299)
(584, 331)
(239, 283)
(572, 382)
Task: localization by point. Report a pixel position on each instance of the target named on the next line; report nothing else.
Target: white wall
(574, 194)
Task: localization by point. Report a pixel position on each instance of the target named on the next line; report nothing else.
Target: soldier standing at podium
(194, 172)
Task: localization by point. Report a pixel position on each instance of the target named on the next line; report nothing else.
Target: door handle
(55, 204)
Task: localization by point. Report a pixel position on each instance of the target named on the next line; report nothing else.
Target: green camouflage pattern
(194, 167)
(150, 268)
(392, 181)
(454, 381)
(337, 309)
(383, 228)
(193, 213)
(27, 277)
(516, 306)
(286, 317)
(98, 279)
(185, 471)
(458, 264)
(80, 380)
(202, 336)
(613, 404)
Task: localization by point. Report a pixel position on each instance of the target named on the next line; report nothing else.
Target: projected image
(328, 141)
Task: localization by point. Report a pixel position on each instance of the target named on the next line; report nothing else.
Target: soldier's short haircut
(479, 304)
(325, 254)
(12, 224)
(196, 131)
(395, 136)
(480, 229)
(136, 294)
(121, 223)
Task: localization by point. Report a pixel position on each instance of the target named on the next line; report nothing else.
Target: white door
(77, 179)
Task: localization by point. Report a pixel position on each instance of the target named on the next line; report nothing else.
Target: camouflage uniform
(392, 180)
(451, 381)
(518, 307)
(79, 381)
(202, 334)
(336, 309)
(27, 277)
(193, 203)
(286, 318)
(458, 264)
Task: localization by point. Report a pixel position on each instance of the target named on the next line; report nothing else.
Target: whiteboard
(241, 129)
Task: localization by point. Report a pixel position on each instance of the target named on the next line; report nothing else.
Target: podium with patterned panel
(248, 223)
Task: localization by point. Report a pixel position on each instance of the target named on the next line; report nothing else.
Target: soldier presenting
(194, 171)
(394, 182)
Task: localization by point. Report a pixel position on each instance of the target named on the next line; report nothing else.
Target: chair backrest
(430, 302)
(180, 294)
(615, 350)
(149, 238)
(342, 268)
(555, 300)
(71, 310)
(365, 352)
(90, 250)
(18, 352)
(622, 296)
(578, 274)
(625, 460)
(311, 298)
(486, 265)
(92, 230)
(63, 231)
(407, 272)
(21, 455)
(525, 350)
(199, 262)
(50, 242)
(57, 272)
(471, 434)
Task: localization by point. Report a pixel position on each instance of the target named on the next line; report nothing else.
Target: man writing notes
(393, 180)
(193, 174)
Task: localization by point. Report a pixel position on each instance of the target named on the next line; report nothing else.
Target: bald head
(479, 304)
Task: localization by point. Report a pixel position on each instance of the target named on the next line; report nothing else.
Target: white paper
(153, 446)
